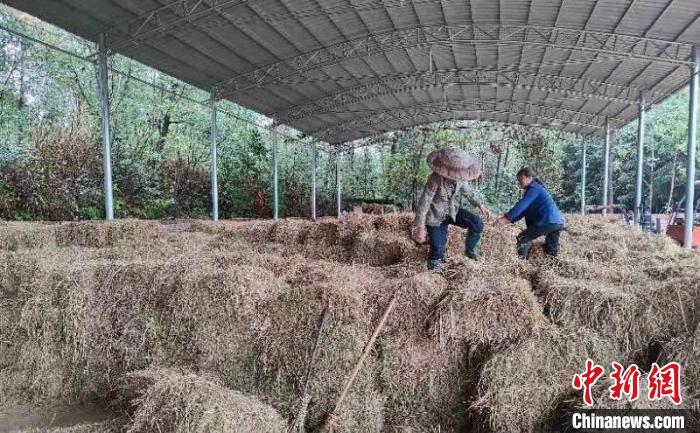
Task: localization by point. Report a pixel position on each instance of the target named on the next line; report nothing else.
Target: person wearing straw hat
(542, 216)
(438, 207)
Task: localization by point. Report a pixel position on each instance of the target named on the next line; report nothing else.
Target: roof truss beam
(423, 80)
(164, 19)
(617, 46)
(379, 117)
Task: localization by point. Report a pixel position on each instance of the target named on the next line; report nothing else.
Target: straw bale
(100, 234)
(377, 248)
(521, 387)
(613, 311)
(286, 334)
(16, 236)
(674, 304)
(425, 385)
(484, 307)
(685, 350)
(181, 401)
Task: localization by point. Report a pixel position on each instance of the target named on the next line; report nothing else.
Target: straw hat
(454, 163)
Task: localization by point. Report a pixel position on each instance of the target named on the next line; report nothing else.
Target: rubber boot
(471, 245)
(434, 265)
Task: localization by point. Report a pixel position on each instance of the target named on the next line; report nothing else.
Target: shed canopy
(345, 69)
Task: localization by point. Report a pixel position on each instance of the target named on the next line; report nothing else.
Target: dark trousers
(438, 235)
(551, 234)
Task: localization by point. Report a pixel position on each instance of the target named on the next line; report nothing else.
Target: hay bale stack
(486, 307)
(378, 248)
(290, 230)
(181, 311)
(613, 311)
(76, 328)
(674, 305)
(210, 319)
(37, 362)
(287, 331)
(15, 236)
(416, 296)
(685, 350)
(101, 234)
(425, 385)
(398, 222)
(521, 387)
(180, 401)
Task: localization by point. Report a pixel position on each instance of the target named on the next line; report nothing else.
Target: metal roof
(344, 69)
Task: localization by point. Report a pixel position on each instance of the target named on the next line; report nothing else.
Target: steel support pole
(337, 181)
(275, 191)
(692, 137)
(606, 173)
(640, 159)
(103, 84)
(583, 179)
(313, 181)
(214, 171)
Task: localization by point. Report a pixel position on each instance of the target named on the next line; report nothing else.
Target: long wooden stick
(330, 419)
(300, 420)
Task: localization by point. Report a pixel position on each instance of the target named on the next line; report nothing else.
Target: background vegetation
(50, 148)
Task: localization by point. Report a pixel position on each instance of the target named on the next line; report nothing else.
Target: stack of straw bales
(226, 317)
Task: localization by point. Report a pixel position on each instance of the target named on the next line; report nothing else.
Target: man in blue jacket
(542, 216)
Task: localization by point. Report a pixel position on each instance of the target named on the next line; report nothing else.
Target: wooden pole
(330, 419)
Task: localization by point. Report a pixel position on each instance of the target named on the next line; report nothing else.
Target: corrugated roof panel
(210, 48)
(544, 12)
(676, 20)
(465, 55)
(457, 12)
(485, 11)
(607, 15)
(429, 13)
(513, 12)
(641, 16)
(575, 14)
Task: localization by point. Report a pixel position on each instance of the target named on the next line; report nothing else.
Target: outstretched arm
(521, 206)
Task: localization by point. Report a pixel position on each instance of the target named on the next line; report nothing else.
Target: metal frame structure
(405, 82)
(640, 160)
(583, 177)
(612, 45)
(275, 188)
(606, 169)
(313, 180)
(692, 149)
(105, 114)
(214, 166)
(377, 119)
(338, 183)
(359, 68)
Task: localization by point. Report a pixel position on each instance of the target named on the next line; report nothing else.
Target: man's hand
(501, 221)
(419, 235)
(485, 212)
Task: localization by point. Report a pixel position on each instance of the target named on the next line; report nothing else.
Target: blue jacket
(537, 206)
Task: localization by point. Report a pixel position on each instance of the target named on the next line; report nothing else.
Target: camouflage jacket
(440, 199)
